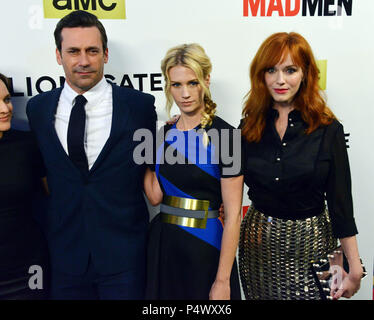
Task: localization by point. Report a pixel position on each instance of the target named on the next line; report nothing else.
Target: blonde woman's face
(186, 90)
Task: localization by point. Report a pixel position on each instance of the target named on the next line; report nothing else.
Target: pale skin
(188, 95)
(82, 56)
(283, 82)
(6, 108)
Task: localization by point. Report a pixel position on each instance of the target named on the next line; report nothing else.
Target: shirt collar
(93, 96)
(295, 115)
(96, 93)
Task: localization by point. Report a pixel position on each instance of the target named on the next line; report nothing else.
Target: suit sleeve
(37, 161)
(152, 126)
(29, 113)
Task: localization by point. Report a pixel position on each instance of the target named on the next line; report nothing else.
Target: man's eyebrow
(88, 48)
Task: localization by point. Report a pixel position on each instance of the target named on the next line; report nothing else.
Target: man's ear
(58, 57)
(106, 55)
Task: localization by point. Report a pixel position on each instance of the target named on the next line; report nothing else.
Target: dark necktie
(76, 128)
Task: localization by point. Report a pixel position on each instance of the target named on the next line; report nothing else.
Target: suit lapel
(120, 116)
(52, 107)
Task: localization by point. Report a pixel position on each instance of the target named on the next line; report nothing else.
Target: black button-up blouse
(292, 178)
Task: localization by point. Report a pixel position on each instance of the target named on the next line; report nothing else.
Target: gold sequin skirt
(275, 255)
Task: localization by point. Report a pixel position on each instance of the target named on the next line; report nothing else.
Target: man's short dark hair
(79, 18)
(5, 80)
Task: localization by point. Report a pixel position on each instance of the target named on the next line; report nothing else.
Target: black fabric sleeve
(37, 161)
(243, 146)
(39, 164)
(338, 193)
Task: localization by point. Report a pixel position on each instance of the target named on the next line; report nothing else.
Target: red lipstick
(281, 91)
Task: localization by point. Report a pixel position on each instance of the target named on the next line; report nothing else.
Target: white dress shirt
(99, 108)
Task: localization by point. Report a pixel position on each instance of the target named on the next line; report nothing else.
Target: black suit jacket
(102, 213)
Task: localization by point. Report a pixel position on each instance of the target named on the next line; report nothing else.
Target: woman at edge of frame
(295, 157)
(22, 242)
(186, 262)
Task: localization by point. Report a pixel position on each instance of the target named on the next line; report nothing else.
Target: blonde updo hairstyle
(191, 56)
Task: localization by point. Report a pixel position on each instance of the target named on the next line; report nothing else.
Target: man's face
(82, 57)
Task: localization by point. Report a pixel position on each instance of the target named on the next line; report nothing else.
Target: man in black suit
(97, 218)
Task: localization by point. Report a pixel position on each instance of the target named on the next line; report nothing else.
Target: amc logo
(103, 9)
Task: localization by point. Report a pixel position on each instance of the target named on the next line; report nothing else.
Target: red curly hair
(308, 100)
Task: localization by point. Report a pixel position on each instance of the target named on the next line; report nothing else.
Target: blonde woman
(191, 253)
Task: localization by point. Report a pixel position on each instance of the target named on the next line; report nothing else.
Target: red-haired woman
(295, 159)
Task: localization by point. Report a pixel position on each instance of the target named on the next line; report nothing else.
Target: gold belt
(181, 211)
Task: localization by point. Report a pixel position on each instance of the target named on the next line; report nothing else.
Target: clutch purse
(329, 269)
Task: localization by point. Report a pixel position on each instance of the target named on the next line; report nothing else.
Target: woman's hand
(173, 119)
(348, 287)
(352, 281)
(45, 186)
(220, 290)
(221, 211)
(152, 188)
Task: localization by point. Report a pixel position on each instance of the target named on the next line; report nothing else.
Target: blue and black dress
(182, 260)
